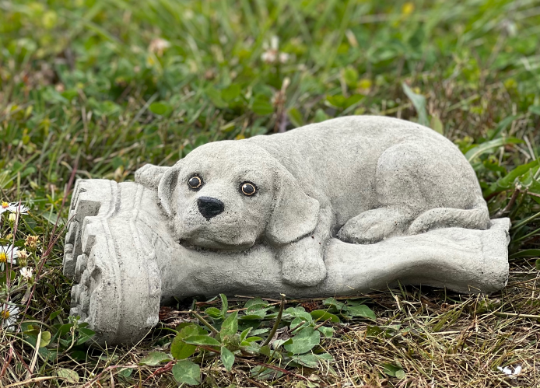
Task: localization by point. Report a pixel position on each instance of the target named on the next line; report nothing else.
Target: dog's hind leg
(475, 218)
(420, 184)
(375, 225)
(398, 191)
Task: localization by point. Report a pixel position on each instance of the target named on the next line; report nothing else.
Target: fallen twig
(161, 370)
(507, 208)
(34, 358)
(34, 380)
(507, 315)
(278, 320)
(204, 321)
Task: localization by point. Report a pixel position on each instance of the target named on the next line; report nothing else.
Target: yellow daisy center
(5, 205)
(4, 314)
(3, 257)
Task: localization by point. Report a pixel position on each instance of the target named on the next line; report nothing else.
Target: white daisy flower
(509, 372)
(26, 272)
(272, 53)
(158, 46)
(8, 316)
(13, 207)
(8, 254)
(4, 207)
(22, 254)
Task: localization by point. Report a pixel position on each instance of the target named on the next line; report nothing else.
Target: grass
(100, 87)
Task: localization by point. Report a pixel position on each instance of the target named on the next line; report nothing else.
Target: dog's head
(231, 194)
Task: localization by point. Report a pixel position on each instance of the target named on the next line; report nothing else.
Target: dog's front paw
(373, 225)
(302, 268)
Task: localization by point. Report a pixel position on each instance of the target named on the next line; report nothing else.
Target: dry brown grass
(440, 339)
(448, 341)
(443, 340)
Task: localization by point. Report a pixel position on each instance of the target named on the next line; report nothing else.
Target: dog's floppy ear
(166, 187)
(149, 175)
(295, 214)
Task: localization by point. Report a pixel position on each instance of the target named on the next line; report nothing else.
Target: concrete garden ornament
(336, 208)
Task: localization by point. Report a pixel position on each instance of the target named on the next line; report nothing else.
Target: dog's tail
(475, 218)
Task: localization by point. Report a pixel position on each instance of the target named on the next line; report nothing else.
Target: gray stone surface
(112, 261)
(341, 207)
(360, 178)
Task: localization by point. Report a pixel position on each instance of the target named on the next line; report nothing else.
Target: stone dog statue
(361, 179)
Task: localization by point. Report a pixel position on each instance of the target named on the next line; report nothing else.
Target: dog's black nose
(210, 207)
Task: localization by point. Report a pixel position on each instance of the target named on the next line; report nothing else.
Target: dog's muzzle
(210, 207)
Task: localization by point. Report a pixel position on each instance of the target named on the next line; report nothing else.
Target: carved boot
(110, 257)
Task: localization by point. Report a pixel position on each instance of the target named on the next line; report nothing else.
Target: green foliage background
(85, 83)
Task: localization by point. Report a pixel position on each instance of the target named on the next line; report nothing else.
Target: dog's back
(339, 160)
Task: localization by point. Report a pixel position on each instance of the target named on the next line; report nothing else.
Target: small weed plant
(263, 335)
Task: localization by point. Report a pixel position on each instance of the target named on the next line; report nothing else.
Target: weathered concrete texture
(129, 263)
(337, 208)
(115, 269)
(360, 178)
(468, 261)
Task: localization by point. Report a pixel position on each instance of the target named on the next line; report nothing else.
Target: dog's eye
(195, 182)
(248, 188)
